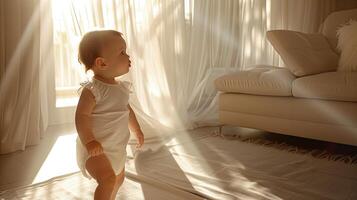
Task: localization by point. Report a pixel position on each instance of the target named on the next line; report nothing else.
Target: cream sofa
(318, 104)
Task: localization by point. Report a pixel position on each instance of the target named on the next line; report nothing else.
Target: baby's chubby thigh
(100, 168)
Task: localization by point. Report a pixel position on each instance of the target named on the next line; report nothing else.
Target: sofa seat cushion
(338, 86)
(260, 80)
(291, 108)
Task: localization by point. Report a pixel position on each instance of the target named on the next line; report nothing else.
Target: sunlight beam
(61, 159)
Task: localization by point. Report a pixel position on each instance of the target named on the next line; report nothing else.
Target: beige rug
(204, 165)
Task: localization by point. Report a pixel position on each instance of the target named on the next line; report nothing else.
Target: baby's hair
(91, 45)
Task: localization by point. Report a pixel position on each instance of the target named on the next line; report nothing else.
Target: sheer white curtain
(25, 55)
(300, 15)
(178, 47)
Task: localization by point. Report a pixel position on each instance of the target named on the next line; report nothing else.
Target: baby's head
(104, 52)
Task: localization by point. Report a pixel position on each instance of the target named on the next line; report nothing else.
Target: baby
(103, 115)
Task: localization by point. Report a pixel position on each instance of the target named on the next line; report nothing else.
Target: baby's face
(115, 57)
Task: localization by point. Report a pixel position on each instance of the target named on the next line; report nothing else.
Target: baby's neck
(105, 80)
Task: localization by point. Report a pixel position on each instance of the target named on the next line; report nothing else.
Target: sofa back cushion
(333, 22)
(303, 53)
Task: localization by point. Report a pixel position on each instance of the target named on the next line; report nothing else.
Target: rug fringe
(281, 145)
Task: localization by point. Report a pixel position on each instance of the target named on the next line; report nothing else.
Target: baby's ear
(99, 63)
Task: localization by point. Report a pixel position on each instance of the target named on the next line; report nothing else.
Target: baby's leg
(100, 169)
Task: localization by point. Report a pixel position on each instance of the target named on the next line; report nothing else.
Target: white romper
(110, 119)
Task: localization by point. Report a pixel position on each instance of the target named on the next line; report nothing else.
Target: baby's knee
(120, 179)
(109, 181)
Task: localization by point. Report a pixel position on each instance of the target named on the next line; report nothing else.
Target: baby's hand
(94, 148)
(140, 137)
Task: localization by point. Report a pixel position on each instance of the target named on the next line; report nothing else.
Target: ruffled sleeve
(91, 86)
(128, 86)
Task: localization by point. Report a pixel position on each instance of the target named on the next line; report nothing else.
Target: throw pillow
(303, 53)
(347, 44)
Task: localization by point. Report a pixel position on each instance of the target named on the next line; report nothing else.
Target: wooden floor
(36, 164)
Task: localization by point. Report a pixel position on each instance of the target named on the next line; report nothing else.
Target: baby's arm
(83, 121)
(135, 127)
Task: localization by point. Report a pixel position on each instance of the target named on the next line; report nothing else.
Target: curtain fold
(23, 109)
(300, 15)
